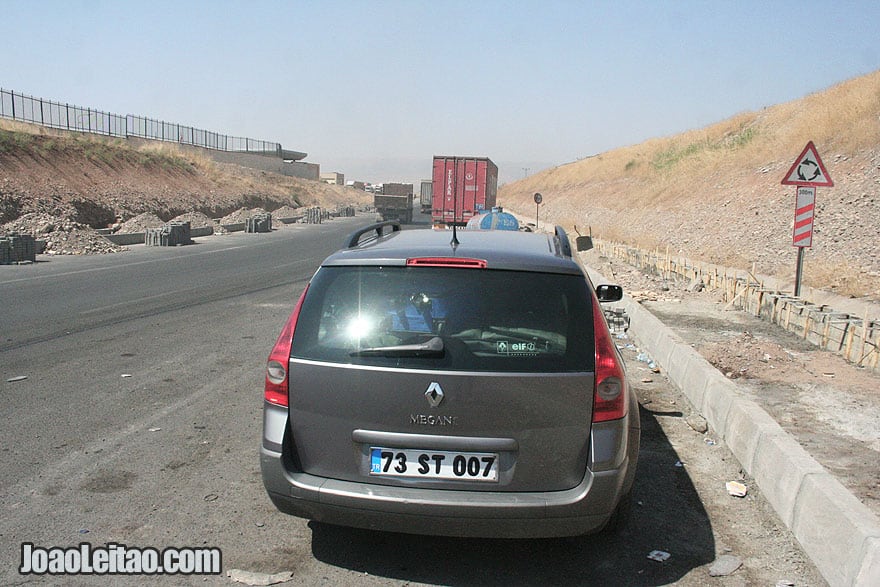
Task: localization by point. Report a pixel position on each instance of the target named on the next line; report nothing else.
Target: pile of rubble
(61, 235)
(199, 220)
(64, 236)
(140, 223)
(241, 215)
(286, 212)
(147, 221)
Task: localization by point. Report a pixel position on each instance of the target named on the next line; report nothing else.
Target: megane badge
(434, 394)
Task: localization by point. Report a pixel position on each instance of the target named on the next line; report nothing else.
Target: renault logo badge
(434, 394)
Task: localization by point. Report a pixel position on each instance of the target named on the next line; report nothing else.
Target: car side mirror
(609, 293)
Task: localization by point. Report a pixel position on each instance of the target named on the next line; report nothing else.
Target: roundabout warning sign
(808, 170)
(808, 173)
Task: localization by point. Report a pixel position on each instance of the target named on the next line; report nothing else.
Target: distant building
(358, 185)
(333, 178)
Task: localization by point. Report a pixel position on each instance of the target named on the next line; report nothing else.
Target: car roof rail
(354, 238)
(564, 244)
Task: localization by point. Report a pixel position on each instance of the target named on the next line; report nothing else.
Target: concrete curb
(838, 532)
(139, 238)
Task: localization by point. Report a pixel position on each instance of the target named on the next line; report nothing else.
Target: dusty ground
(831, 407)
(746, 528)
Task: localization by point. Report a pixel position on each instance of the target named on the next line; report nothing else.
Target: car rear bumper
(583, 509)
(460, 524)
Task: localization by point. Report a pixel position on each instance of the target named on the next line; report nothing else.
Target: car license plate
(434, 464)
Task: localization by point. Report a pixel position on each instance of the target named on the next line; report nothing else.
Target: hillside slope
(714, 194)
(90, 180)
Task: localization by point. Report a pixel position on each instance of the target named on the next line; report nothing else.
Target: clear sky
(374, 89)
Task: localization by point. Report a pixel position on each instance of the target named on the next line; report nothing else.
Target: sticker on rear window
(505, 347)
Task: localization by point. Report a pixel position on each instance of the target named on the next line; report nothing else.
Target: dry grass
(172, 151)
(114, 152)
(24, 128)
(736, 142)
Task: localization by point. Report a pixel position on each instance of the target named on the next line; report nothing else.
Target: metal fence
(76, 118)
(57, 115)
(148, 128)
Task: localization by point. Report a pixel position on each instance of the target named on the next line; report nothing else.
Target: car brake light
(276, 390)
(446, 262)
(609, 395)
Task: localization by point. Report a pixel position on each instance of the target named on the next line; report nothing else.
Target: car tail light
(279, 359)
(609, 393)
(446, 262)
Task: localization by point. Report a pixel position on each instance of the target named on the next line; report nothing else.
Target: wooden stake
(825, 332)
(666, 264)
(864, 338)
(850, 334)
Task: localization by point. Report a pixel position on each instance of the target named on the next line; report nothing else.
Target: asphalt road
(139, 424)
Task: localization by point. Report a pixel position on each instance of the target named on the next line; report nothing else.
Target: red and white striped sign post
(804, 207)
(807, 174)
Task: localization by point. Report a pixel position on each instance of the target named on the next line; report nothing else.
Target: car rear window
(447, 318)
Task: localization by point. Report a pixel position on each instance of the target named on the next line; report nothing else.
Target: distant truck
(426, 196)
(463, 187)
(397, 189)
(395, 202)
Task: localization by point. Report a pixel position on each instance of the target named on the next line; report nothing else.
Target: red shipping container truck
(463, 188)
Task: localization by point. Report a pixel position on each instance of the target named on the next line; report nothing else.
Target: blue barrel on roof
(497, 219)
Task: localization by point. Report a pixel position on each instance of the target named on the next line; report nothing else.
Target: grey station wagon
(459, 387)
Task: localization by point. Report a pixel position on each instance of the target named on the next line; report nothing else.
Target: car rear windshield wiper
(432, 347)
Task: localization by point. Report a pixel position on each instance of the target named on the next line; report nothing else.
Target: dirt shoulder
(829, 406)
